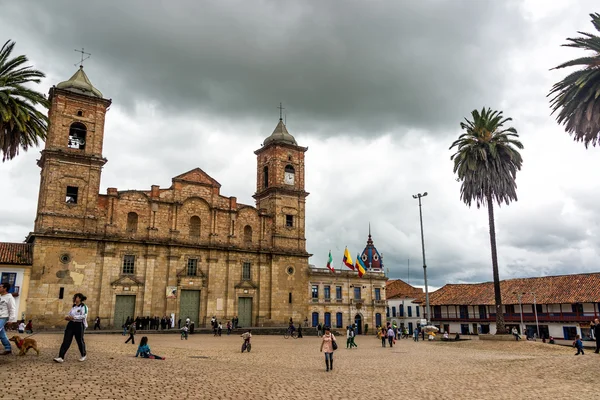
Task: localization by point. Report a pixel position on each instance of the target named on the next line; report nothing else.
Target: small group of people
(350, 335)
(387, 334)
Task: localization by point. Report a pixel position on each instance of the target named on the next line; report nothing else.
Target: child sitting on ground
(144, 350)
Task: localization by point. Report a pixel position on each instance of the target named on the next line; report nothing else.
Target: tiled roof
(16, 253)
(399, 289)
(564, 289)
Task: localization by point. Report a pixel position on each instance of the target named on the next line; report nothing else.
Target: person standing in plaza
(579, 346)
(391, 335)
(75, 328)
(416, 335)
(8, 315)
(131, 331)
(327, 348)
(597, 335)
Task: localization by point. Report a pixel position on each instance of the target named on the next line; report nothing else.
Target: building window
(315, 291)
(315, 319)
(132, 222)
(339, 320)
(378, 319)
(328, 319)
(357, 293)
(80, 113)
(10, 278)
(77, 134)
(246, 271)
(377, 294)
(401, 307)
(577, 308)
(128, 264)
(538, 308)
(338, 292)
(289, 220)
(290, 298)
(387, 312)
(248, 234)
(327, 291)
(266, 177)
(409, 309)
(417, 309)
(195, 227)
(72, 192)
(510, 308)
(192, 267)
(61, 293)
(393, 311)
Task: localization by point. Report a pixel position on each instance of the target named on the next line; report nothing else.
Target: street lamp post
(418, 196)
(537, 324)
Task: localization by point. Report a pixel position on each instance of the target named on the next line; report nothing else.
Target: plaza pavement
(206, 367)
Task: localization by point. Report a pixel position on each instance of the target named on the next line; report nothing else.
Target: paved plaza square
(213, 367)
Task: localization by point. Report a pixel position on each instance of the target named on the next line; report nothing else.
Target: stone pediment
(127, 280)
(246, 285)
(198, 177)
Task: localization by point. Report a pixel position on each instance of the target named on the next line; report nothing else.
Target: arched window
(338, 320)
(315, 319)
(266, 177)
(77, 135)
(247, 234)
(132, 222)
(378, 319)
(328, 319)
(195, 227)
(290, 169)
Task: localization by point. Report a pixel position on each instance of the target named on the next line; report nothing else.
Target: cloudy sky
(376, 90)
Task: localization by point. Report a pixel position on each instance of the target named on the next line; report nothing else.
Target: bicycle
(292, 333)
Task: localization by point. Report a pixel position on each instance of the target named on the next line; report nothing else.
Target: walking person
(300, 331)
(327, 347)
(75, 328)
(391, 335)
(131, 331)
(8, 315)
(597, 334)
(578, 345)
(416, 335)
(516, 334)
(97, 323)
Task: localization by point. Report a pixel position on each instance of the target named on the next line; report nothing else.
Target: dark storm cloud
(338, 66)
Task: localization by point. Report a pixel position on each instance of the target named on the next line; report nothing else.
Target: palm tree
(578, 95)
(21, 124)
(486, 162)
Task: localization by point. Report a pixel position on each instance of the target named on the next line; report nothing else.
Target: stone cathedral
(183, 251)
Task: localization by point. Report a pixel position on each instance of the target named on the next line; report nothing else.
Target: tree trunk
(500, 328)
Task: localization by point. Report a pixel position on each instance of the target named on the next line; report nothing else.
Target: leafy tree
(22, 125)
(578, 95)
(486, 162)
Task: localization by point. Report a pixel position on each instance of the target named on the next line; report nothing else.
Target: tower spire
(281, 108)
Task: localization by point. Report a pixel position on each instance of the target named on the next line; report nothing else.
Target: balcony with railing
(516, 317)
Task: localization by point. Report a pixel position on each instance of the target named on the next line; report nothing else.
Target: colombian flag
(360, 266)
(347, 259)
(329, 261)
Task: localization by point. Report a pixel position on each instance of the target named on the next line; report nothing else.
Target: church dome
(80, 83)
(280, 135)
(370, 255)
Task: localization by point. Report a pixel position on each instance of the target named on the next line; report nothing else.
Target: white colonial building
(558, 306)
(404, 304)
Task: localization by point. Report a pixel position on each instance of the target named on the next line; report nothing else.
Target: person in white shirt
(75, 327)
(8, 315)
(21, 328)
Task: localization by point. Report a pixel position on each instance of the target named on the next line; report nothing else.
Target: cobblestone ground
(213, 367)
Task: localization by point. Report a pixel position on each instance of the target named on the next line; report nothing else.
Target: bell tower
(280, 188)
(72, 160)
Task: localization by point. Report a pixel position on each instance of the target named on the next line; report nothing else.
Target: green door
(189, 305)
(245, 311)
(124, 307)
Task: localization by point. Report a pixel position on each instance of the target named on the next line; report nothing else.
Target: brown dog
(24, 345)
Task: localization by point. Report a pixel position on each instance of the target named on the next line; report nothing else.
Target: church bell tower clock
(280, 188)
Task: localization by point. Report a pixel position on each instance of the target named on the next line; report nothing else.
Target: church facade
(182, 251)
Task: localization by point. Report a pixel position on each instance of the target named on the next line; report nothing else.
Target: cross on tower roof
(82, 58)
(281, 108)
